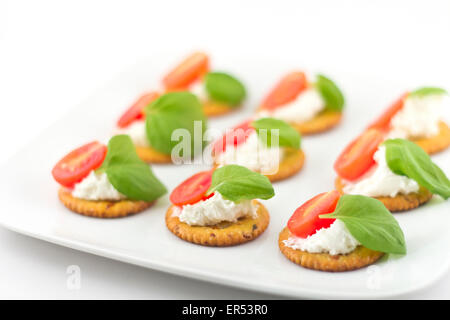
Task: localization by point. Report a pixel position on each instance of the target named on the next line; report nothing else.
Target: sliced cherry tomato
(357, 157)
(384, 120)
(235, 137)
(193, 189)
(189, 70)
(305, 221)
(79, 163)
(286, 90)
(135, 112)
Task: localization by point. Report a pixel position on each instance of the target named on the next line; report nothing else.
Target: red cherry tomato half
(136, 111)
(79, 163)
(193, 189)
(286, 90)
(384, 120)
(305, 221)
(357, 157)
(235, 137)
(189, 70)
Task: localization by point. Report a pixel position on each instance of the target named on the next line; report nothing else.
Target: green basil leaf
(225, 88)
(128, 173)
(408, 159)
(238, 183)
(425, 91)
(120, 150)
(171, 111)
(287, 135)
(368, 220)
(330, 92)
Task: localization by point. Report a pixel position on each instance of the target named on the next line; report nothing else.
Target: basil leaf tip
(128, 173)
(406, 158)
(425, 91)
(237, 183)
(223, 87)
(368, 220)
(174, 111)
(330, 92)
(270, 130)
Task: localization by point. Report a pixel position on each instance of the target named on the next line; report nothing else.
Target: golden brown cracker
(401, 202)
(358, 258)
(321, 122)
(292, 162)
(213, 108)
(102, 209)
(223, 234)
(150, 155)
(437, 143)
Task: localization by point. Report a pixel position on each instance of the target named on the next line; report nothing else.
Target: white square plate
(143, 238)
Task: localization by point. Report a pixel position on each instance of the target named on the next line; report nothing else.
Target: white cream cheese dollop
(419, 116)
(96, 186)
(381, 181)
(214, 210)
(137, 132)
(307, 104)
(336, 239)
(198, 89)
(252, 154)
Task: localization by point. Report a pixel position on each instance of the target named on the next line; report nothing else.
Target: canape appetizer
(397, 172)
(106, 182)
(334, 232)
(308, 107)
(152, 119)
(219, 92)
(219, 208)
(268, 146)
(417, 116)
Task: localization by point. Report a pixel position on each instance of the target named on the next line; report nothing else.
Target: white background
(53, 54)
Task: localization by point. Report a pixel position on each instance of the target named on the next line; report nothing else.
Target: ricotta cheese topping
(214, 210)
(336, 239)
(419, 117)
(96, 186)
(381, 181)
(307, 104)
(137, 132)
(252, 154)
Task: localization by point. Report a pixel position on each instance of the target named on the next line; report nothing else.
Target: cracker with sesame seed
(437, 143)
(222, 234)
(358, 258)
(102, 209)
(401, 202)
(323, 121)
(291, 163)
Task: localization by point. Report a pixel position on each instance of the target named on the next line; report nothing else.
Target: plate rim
(214, 278)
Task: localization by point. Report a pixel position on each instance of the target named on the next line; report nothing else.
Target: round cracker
(358, 258)
(439, 142)
(213, 108)
(223, 234)
(150, 155)
(323, 121)
(292, 163)
(401, 202)
(320, 123)
(102, 209)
